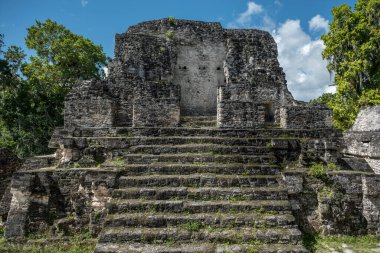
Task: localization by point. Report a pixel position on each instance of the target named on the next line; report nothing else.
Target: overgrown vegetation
(319, 170)
(81, 243)
(32, 91)
(353, 52)
(170, 34)
(171, 19)
(192, 226)
(323, 244)
(118, 161)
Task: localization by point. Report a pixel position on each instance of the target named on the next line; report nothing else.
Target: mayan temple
(193, 143)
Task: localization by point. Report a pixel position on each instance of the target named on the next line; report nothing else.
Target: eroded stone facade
(165, 69)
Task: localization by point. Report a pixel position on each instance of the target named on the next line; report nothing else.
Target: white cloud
(301, 58)
(252, 8)
(319, 23)
(268, 24)
(253, 16)
(105, 69)
(84, 3)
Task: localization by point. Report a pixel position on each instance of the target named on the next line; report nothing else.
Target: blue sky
(295, 24)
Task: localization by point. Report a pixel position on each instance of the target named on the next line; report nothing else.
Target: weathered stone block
(69, 200)
(342, 203)
(156, 104)
(362, 141)
(368, 120)
(306, 117)
(87, 106)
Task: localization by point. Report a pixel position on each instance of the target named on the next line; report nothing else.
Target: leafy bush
(171, 19)
(170, 34)
(332, 167)
(317, 170)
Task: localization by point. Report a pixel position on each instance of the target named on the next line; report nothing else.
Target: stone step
(180, 140)
(198, 158)
(199, 124)
(214, 235)
(199, 180)
(201, 193)
(197, 118)
(121, 142)
(37, 162)
(187, 169)
(173, 247)
(178, 206)
(212, 132)
(222, 132)
(177, 140)
(199, 148)
(200, 220)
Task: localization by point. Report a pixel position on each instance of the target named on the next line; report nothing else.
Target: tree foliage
(67, 57)
(32, 92)
(353, 52)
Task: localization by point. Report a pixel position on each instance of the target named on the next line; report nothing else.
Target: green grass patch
(81, 243)
(317, 170)
(326, 192)
(118, 161)
(192, 226)
(333, 167)
(357, 244)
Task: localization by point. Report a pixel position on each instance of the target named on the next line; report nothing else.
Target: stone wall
(199, 72)
(156, 104)
(306, 116)
(59, 201)
(362, 141)
(237, 109)
(137, 58)
(88, 105)
(320, 150)
(339, 203)
(253, 75)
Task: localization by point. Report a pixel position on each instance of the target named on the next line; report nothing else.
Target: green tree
(353, 52)
(33, 91)
(62, 56)
(10, 84)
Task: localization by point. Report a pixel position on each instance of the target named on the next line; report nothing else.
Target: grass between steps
(345, 243)
(80, 243)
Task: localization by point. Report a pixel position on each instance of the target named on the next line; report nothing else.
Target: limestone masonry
(166, 69)
(193, 143)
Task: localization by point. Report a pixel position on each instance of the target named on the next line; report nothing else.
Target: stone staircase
(198, 121)
(199, 193)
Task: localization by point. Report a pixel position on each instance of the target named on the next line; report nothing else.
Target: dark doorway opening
(269, 112)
